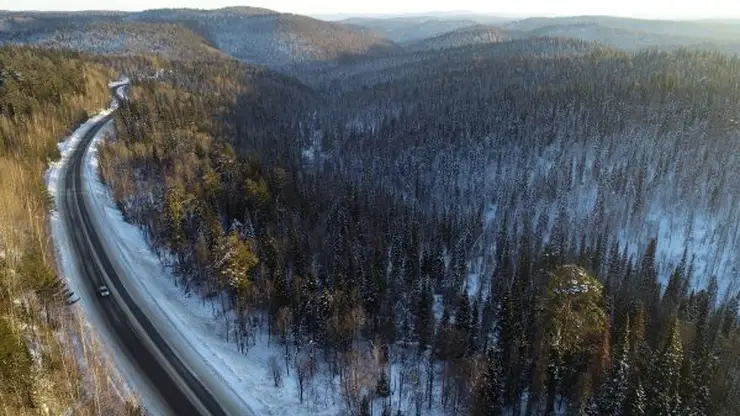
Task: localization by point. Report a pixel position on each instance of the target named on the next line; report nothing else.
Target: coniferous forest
(492, 229)
(520, 225)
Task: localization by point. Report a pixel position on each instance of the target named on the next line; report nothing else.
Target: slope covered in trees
(635, 34)
(256, 36)
(168, 40)
(535, 225)
(473, 35)
(408, 29)
(274, 39)
(43, 95)
(571, 136)
(105, 34)
(294, 43)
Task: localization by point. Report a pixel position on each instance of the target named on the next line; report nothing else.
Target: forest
(43, 96)
(540, 226)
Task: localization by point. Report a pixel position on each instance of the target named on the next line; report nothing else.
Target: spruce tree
(508, 333)
(424, 327)
(463, 325)
(665, 373)
(635, 405)
(487, 387)
(613, 393)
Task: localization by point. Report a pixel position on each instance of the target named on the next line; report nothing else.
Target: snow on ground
(246, 377)
(128, 378)
(124, 80)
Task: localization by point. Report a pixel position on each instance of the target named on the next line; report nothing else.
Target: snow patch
(245, 377)
(127, 378)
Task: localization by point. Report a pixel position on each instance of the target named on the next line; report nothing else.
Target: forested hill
(522, 225)
(472, 35)
(591, 129)
(410, 29)
(294, 44)
(273, 39)
(256, 36)
(635, 34)
(43, 96)
(105, 34)
(490, 222)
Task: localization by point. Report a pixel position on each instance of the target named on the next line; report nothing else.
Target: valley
(429, 215)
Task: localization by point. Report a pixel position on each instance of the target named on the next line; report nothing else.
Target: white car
(103, 291)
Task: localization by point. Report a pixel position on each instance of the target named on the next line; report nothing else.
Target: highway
(132, 332)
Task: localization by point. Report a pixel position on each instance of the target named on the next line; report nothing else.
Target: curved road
(132, 331)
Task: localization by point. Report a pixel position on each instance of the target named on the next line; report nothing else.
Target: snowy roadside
(126, 379)
(188, 323)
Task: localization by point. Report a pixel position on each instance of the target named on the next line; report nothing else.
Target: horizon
(335, 10)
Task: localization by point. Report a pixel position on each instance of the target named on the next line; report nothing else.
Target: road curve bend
(132, 332)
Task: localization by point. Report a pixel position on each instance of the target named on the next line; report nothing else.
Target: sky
(670, 9)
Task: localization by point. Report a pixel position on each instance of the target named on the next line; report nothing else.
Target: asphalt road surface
(132, 331)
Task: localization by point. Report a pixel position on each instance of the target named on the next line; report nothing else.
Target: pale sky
(678, 9)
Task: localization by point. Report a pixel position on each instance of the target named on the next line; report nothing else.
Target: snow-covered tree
(488, 385)
(665, 373)
(614, 391)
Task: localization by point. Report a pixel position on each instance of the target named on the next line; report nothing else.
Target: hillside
(634, 34)
(715, 30)
(257, 36)
(441, 217)
(113, 37)
(103, 33)
(272, 39)
(46, 350)
(624, 33)
(335, 80)
(471, 35)
(612, 36)
(487, 213)
(286, 41)
(407, 29)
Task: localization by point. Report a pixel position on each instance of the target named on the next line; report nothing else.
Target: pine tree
(665, 372)
(508, 333)
(573, 326)
(729, 314)
(503, 272)
(613, 393)
(674, 292)
(703, 375)
(173, 213)
(458, 268)
(463, 321)
(648, 290)
(703, 365)
(425, 318)
(237, 258)
(487, 387)
(640, 350)
(687, 387)
(473, 333)
(636, 403)
(443, 343)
